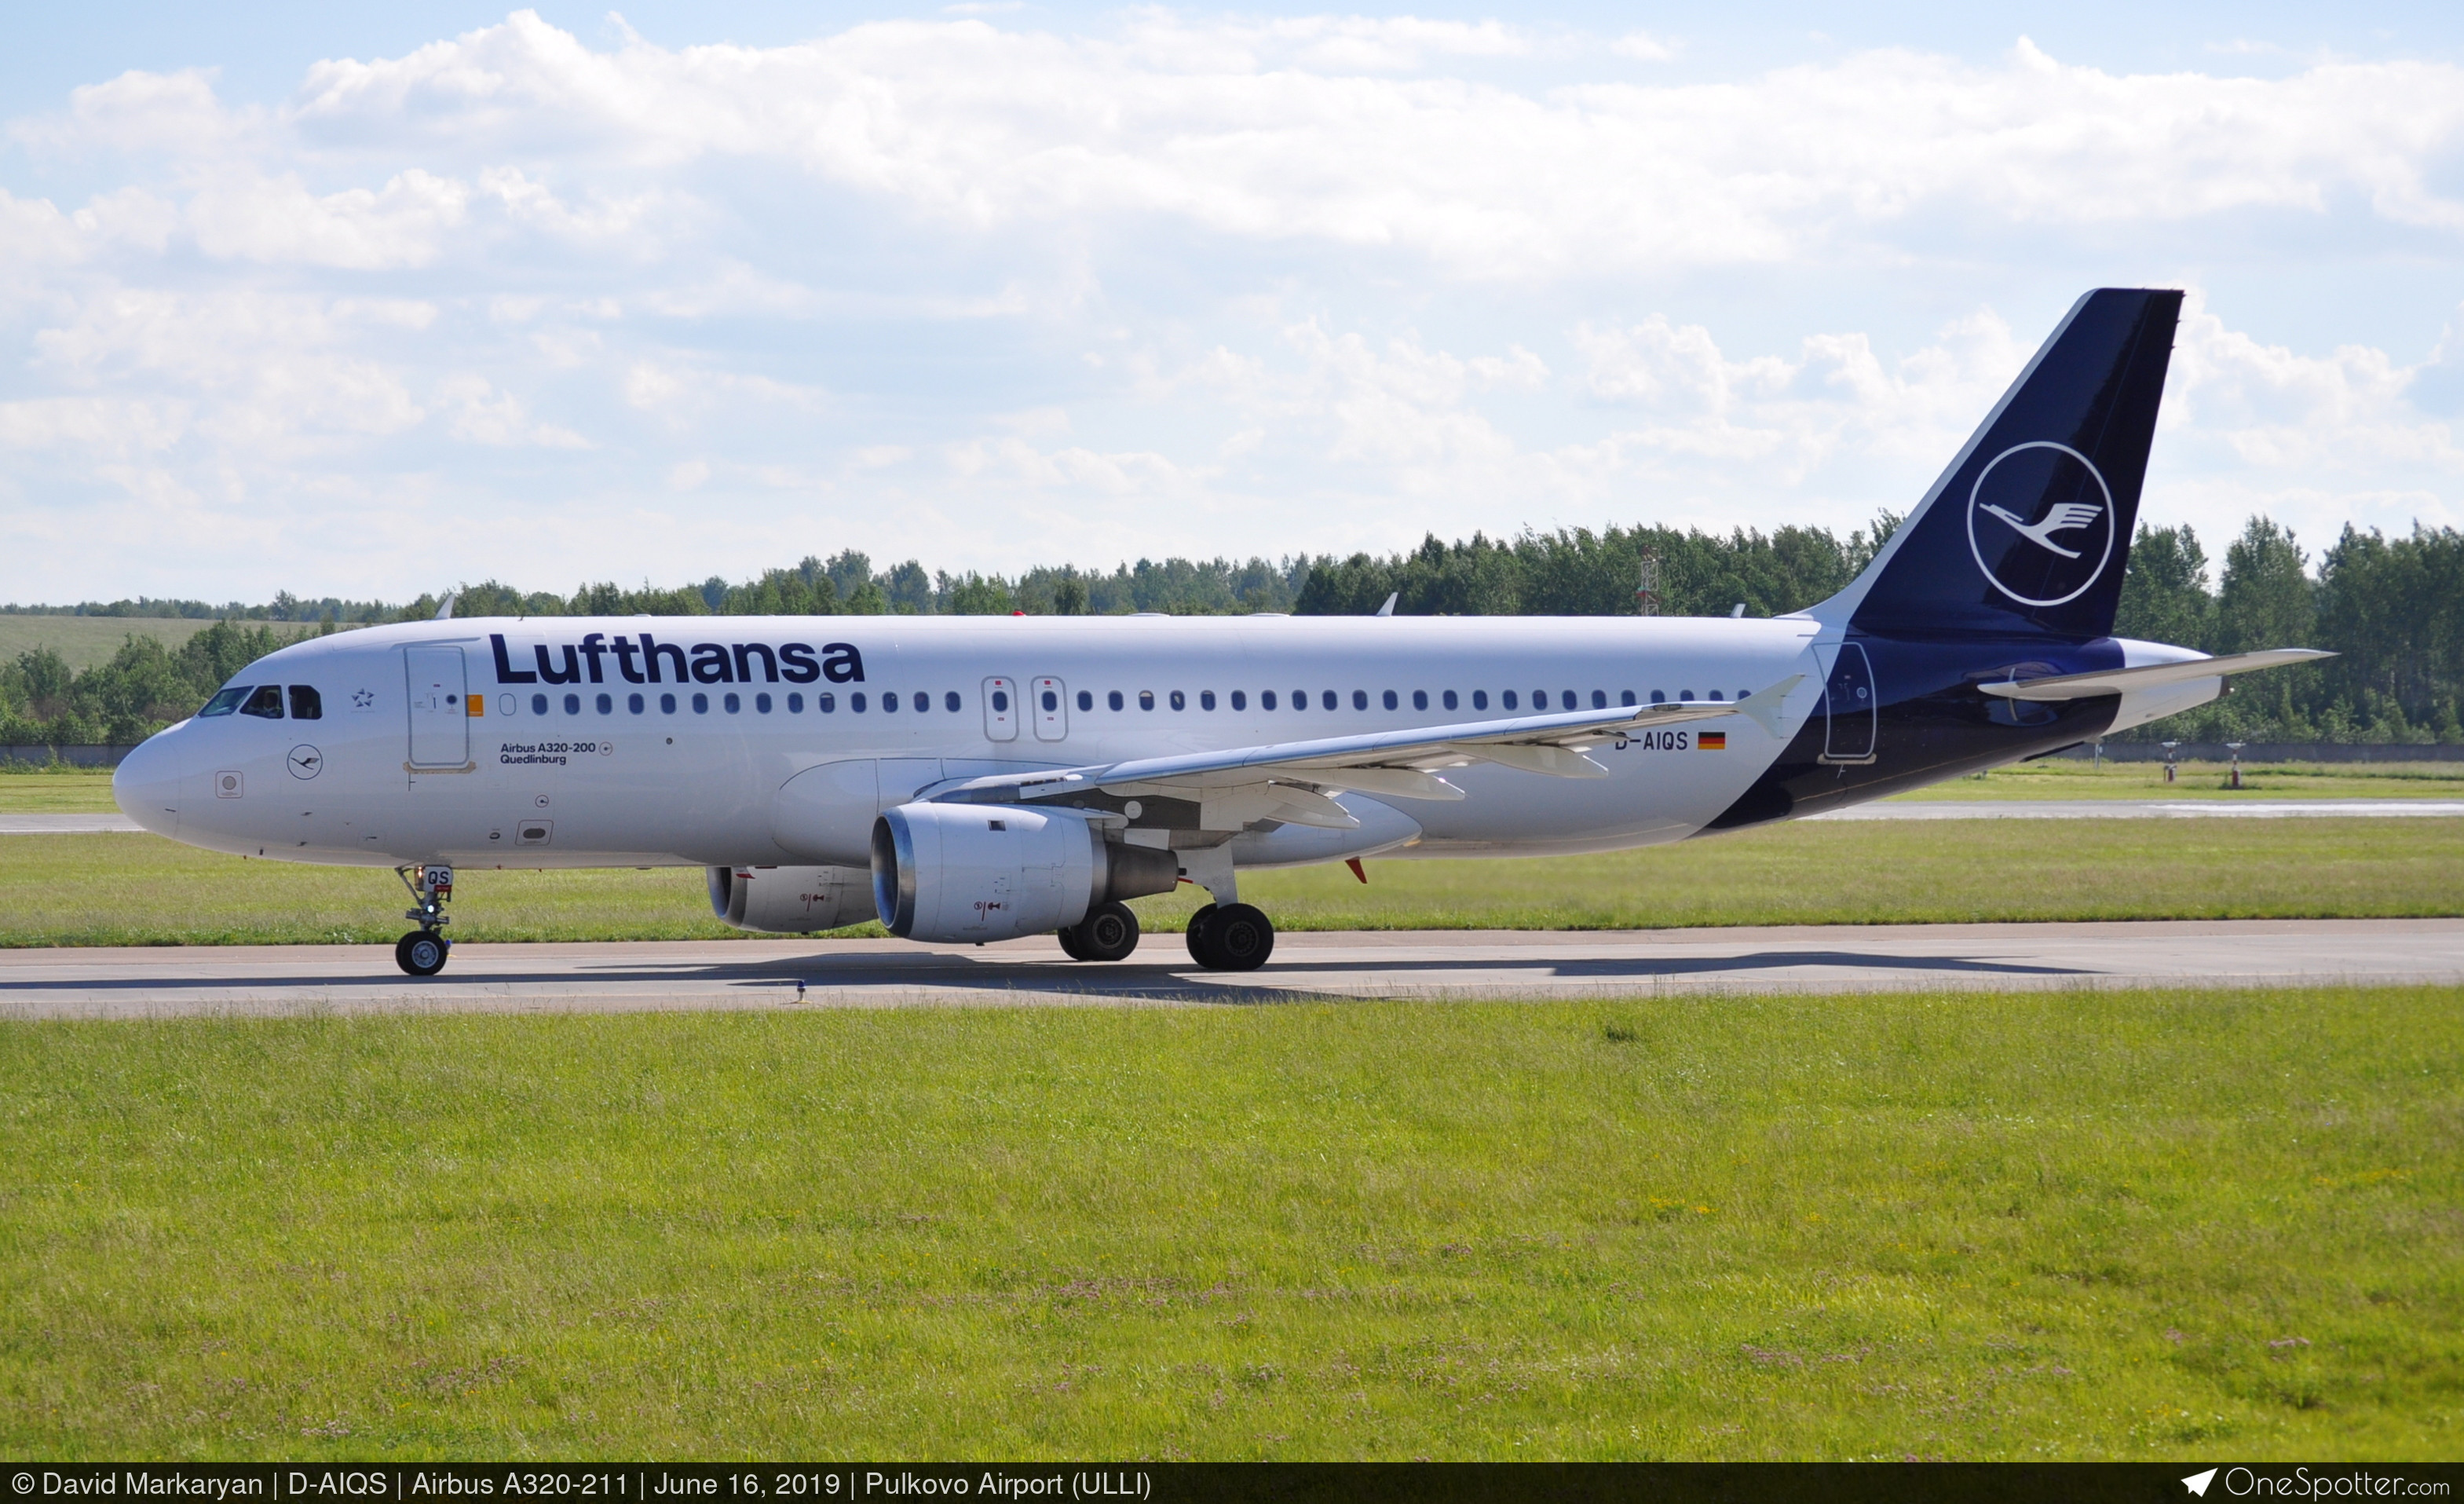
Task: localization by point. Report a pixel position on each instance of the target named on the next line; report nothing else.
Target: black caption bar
(1202, 1483)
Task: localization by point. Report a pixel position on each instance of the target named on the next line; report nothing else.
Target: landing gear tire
(1068, 935)
(421, 953)
(1108, 932)
(1234, 937)
(1196, 934)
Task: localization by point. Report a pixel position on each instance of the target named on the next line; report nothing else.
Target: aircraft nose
(146, 784)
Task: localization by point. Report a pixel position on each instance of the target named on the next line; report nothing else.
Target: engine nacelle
(791, 900)
(996, 871)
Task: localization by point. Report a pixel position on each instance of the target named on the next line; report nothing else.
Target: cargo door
(440, 715)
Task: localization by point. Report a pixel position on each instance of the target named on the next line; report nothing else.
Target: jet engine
(996, 871)
(791, 900)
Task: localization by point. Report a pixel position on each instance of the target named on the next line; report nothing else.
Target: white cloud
(481, 414)
(989, 289)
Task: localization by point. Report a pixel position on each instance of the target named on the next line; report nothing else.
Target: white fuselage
(541, 775)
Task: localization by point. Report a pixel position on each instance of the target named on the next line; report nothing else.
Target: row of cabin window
(734, 703)
(1267, 699)
(266, 700)
(1328, 699)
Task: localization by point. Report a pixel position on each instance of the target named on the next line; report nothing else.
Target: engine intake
(996, 871)
(791, 900)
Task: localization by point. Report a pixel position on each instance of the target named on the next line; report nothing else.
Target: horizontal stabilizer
(2155, 676)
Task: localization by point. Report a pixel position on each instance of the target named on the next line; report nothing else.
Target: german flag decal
(1712, 740)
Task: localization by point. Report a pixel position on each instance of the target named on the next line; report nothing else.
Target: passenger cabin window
(951, 702)
(224, 701)
(1265, 701)
(1360, 699)
(1327, 699)
(1508, 700)
(1086, 700)
(306, 705)
(573, 704)
(267, 701)
(1450, 700)
(1241, 700)
(1420, 699)
(539, 704)
(1480, 700)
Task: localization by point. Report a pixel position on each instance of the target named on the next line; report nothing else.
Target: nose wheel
(1231, 936)
(420, 953)
(423, 951)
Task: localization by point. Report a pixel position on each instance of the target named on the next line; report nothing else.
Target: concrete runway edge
(703, 975)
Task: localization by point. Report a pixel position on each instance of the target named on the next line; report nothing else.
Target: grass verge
(140, 890)
(2077, 1224)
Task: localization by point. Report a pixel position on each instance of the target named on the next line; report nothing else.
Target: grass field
(2062, 779)
(85, 641)
(2073, 1225)
(140, 890)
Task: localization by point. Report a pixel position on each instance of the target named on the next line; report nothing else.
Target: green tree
(2164, 589)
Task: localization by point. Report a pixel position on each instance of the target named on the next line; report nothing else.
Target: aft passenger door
(1851, 706)
(440, 720)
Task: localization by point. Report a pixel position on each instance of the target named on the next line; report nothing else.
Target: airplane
(981, 779)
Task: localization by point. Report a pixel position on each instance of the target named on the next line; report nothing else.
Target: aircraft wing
(1291, 780)
(2155, 676)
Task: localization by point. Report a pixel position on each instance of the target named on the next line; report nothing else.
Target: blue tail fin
(2027, 531)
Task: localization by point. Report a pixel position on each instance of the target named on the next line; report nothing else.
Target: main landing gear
(422, 952)
(1108, 932)
(1230, 937)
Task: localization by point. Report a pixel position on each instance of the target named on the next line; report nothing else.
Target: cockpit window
(306, 705)
(267, 701)
(224, 701)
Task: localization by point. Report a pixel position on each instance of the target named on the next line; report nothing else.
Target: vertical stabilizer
(2028, 530)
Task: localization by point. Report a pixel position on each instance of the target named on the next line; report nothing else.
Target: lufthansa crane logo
(2040, 523)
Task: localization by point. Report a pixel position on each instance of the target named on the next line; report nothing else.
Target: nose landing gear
(422, 952)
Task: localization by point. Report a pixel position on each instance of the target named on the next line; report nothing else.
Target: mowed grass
(2063, 779)
(2040, 1225)
(140, 890)
(84, 641)
(42, 789)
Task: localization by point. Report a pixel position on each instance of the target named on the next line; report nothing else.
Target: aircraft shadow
(824, 973)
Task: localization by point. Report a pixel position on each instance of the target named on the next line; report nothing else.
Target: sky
(369, 305)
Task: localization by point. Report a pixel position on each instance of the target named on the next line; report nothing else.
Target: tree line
(2392, 608)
